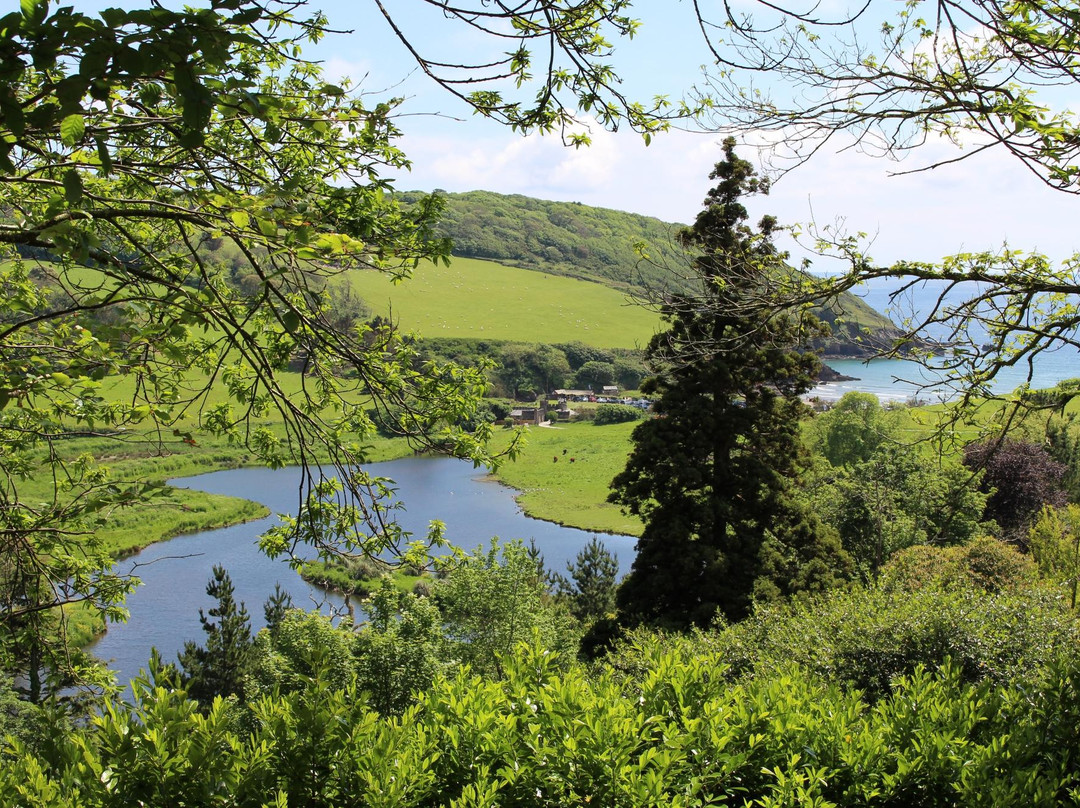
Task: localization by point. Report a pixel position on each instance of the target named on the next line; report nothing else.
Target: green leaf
(73, 187)
(12, 114)
(105, 158)
(114, 17)
(291, 321)
(240, 218)
(6, 165)
(72, 129)
(246, 17)
(35, 11)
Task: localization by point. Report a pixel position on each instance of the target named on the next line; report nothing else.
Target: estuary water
(903, 380)
(164, 611)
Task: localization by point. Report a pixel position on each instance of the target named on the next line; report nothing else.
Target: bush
(1021, 478)
(545, 736)
(1055, 547)
(494, 599)
(865, 638)
(400, 650)
(986, 563)
(616, 414)
(594, 375)
(353, 577)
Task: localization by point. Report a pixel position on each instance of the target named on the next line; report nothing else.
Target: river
(164, 611)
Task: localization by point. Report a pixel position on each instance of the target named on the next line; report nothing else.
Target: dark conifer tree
(218, 668)
(713, 474)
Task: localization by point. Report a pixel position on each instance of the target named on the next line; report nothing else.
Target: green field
(485, 300)
(469, 299)
(574, 493)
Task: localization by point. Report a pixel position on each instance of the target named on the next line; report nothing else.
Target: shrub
(549, 736)
(616, 414)
(1054, 542)
(400, 650)
(986, 563)
(585, 414)
(494, 599)
(349, 577)
(865, 638)
(1021, 478)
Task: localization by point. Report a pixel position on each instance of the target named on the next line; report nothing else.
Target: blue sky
(976, 204)
(973, 205)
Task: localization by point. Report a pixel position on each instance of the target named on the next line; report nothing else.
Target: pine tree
(590, 589)
(713, 474)
(218, 668)
(276, 607)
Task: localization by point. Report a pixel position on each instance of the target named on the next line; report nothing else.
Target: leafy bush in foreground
(545, 736)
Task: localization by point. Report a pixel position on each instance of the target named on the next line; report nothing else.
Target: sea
(904, 380)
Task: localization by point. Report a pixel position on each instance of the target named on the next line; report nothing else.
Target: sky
(977, 204)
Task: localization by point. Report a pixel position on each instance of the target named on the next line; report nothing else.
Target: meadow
(469, 299)
(564, 472)
(484, 300)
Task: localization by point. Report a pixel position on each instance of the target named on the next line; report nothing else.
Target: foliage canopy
(980, 74)
(131, 143)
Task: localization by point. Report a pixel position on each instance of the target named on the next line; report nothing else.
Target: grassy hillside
(603, 246)
(484, 300)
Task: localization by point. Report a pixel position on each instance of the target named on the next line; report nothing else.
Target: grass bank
(564, 473)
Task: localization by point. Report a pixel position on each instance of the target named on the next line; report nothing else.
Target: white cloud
(336, 69)
(975, 204)
(532, 165)
(667, 179)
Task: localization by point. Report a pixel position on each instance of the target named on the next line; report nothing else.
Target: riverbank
(171, 512)
(177, 512)
(562, 477)
(164, 612)
(564, 473)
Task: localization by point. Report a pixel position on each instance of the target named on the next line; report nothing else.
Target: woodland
(871, 605)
